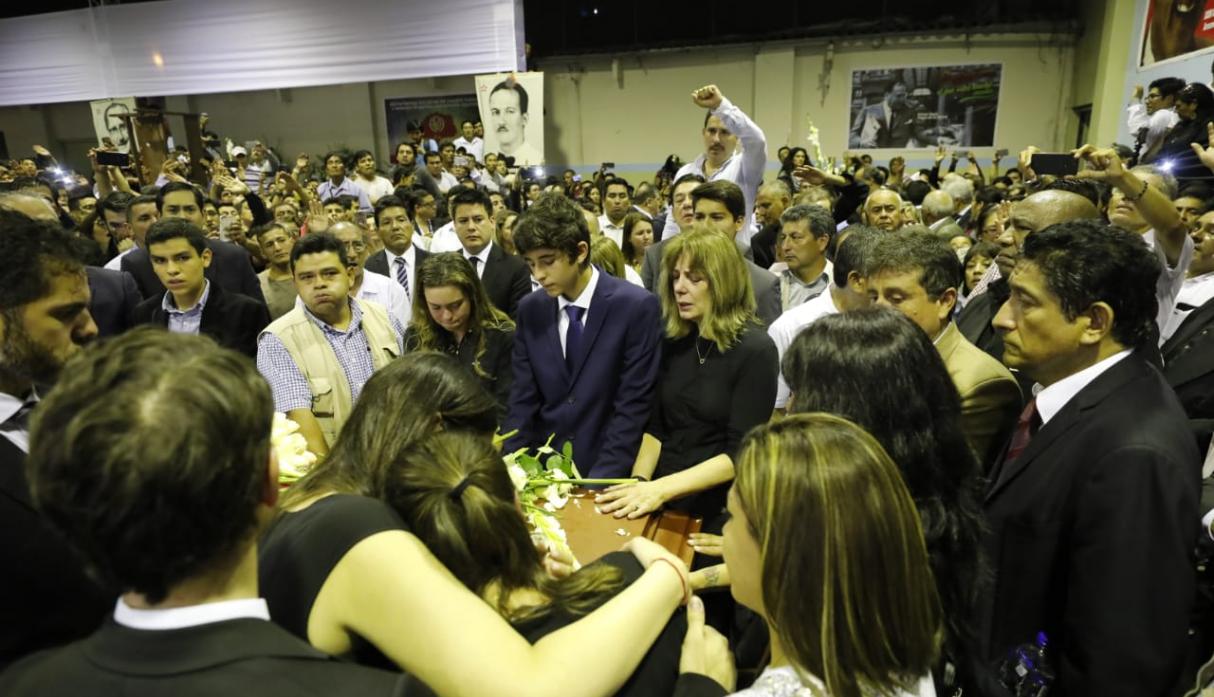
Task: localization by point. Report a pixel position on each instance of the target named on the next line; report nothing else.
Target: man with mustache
(508, 103)
(725, 125)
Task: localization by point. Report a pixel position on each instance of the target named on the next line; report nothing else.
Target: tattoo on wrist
(712, 575)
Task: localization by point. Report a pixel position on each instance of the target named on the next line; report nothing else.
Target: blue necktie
(573, 335)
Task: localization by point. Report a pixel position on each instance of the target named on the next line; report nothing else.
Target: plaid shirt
(287, 382)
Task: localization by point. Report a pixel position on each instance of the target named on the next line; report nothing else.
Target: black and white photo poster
(512, 109)
(951, 105)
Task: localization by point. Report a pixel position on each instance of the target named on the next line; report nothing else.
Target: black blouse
(495, 362)
(703, 409)
(299, 550)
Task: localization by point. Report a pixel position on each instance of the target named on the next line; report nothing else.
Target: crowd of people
(944, 428)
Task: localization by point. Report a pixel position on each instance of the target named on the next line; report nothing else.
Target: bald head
(883, 210)
(354, 239)
(1045, 208)
(29, 205)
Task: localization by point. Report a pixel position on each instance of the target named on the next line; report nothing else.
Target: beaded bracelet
(1136, 199)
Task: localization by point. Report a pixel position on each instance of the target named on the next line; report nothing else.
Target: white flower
(517, 475)
(294, 458)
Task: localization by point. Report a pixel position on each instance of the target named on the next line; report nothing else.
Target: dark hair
(821, 222)
(415, 198)
(512, 85)
(643, 192)
(853, 247)
(34, 252)
(552, 222)
(469, 196)
(75, 196)
(922, 252)
(786, 164)
(389, 201)
(617, 181)
(403, 404)
(176, 228)
(1089, 261)
(115, 202)
(877, 368)
(429, 154)
(140, 200)
(916, 190)
(689, 177)
(173, 187)
(630, 221)
(401, 171)
(260, 230)
(324, 161)
(1167, 86)
(724, 192)
(319, 243)
(359, 154)
(453, 492)
(151, 454)
(453, 270)
(988, 195)
(1084, 187)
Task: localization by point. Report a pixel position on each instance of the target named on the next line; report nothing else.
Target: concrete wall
(636, 109)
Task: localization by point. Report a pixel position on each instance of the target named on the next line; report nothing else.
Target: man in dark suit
(586, 351)
(231, 266)
(1093, 508)
(1188, 366)
(190, 465)
(504, 276)
(720, 205)
(44, 319)
(400, 258)
(890, 124)
(684, 215)
(114, 297)
(192, 304)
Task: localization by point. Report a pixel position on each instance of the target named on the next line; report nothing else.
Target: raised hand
(317, 220)
(1103, 163)
(708, 97)
(1206, 154)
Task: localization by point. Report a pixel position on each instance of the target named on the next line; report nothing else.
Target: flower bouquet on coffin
(544, 478)
(294, 458)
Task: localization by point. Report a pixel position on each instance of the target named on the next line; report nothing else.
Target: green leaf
(567, 450)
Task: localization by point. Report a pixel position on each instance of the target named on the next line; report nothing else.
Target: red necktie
(1026, 426)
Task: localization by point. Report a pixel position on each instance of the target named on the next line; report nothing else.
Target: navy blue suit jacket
(603, 403)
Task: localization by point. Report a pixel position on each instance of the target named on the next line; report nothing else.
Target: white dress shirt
(115, 264)
(1194, 293)
(445, 239)
(190, 615)
(474, 147)
(583, 301)
(788, 325)
(744, 169)
(1171, 278)
(377, 287)
(482, 258)
(410, 258)
(445, 181)
(375, 189)
(17, 434)
(1157, 124)
(611, 231)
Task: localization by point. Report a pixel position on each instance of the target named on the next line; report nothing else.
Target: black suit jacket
(765, 283)
(974, 320)
(1188, 366)
(506, 279)
(378, 262)
(114, 297)
(231, 267)
(47, 599)
(231, 319)
(1091, 535)
(232, 657)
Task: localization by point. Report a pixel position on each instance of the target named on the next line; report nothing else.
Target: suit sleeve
(754, 391)
(520, 286)
(248, 283)
(634, 394)
(649, 268)
(988, 413)
(1131, 581)
(257, 318)
(503, 371)
(130, 300)
(524, 392)
(768, 307)
(257, 208)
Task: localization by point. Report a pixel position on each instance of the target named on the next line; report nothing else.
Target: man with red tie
(1093, 507)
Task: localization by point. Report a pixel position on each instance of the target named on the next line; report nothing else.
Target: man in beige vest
(318, 356)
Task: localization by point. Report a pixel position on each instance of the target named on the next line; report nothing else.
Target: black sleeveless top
(299, 550)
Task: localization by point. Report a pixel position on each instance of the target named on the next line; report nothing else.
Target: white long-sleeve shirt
(1157, 124)
(744, 169)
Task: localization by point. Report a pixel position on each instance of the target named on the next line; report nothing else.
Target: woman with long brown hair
(454, 494)
(824, 543)
(339, 568)
(453, 315)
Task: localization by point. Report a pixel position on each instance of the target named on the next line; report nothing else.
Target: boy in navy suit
(586, 350)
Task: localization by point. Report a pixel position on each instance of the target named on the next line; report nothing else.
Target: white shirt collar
(1051, 400)
(9, 406)
(192, 615)
(483, 255)
(605, 222)
(408, 256)
(583, 300)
